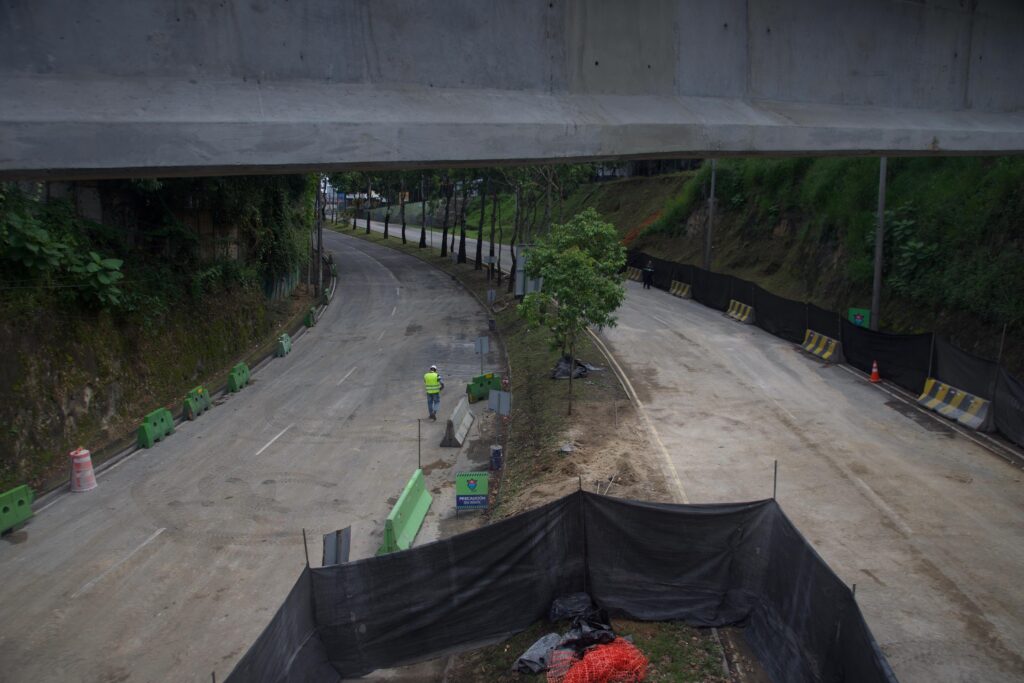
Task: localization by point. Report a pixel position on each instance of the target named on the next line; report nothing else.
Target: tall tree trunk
(369, 204)
(423, 213)
(462, 227)
(401, 205)
(387, 209)
(494, 218)
(444, 225)
(512, 240)
(480, 230)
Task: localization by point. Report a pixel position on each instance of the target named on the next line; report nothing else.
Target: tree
(423, 211)
(478, 263)
(581, 262)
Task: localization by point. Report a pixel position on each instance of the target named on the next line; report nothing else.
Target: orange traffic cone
(82, 476)
(875, 378)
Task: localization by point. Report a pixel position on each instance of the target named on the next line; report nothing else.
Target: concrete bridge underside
(149, 88)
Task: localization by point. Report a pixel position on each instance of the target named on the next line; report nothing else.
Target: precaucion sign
(471, 490)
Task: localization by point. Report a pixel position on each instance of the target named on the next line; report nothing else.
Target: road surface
(172, 567)
(928, 524)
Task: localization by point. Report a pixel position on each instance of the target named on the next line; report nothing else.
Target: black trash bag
(561, 369)
(588, 631)
(570, 606)
(537, 658)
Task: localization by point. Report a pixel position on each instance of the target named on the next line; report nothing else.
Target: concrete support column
(711, 217)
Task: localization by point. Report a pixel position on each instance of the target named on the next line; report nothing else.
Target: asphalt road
(172, 567)
(928, 524)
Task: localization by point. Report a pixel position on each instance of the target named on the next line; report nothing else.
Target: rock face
(86, 380)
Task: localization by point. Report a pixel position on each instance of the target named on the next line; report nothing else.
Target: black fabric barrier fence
(964, 370)
(823, 322)
(902, 358)
(739, 564)
(1008, 406)
(778, 315)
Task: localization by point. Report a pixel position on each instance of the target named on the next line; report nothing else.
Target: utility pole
(320, 217)
(711, 217)
(876, 290)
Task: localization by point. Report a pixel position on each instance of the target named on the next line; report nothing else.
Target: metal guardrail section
(946, 400)
(457, 427)
(825, 348)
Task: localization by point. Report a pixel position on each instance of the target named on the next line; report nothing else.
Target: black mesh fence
(902, 358)
(709, 565)
(778, 315)
(1008, 407)
(824, 322)
(963, 370)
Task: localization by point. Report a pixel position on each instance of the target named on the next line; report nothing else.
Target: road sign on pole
(483, 345)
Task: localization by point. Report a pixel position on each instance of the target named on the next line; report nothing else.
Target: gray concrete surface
(146, 88)
(926, 523)
(173, 566)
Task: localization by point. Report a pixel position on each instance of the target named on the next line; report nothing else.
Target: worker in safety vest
(433, 383)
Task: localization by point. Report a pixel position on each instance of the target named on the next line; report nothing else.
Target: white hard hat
(433, 367)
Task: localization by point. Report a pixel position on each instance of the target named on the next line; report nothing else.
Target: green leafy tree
(581, 263)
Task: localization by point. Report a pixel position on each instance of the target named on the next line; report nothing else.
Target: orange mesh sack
(617, 662)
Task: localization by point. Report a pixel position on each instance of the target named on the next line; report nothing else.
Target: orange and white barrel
(82, 476)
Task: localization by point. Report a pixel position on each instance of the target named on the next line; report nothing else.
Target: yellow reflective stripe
(829, 349)
(940, 396)
(808, 338)
(821, 345)
(976, 405)
(952, 407)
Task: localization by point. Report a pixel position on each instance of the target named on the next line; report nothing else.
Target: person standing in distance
(433, 383)
(648, 274)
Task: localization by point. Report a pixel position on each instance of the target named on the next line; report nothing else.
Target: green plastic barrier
(284, 346)
(311, 317)
(197, 402)
(15, 507)
(480, 387)
(406, 518)
(238, 377)
(155, 427)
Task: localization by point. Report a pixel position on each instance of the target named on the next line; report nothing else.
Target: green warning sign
(861, 317)
(471, 490)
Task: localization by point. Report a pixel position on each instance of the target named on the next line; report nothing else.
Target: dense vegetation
(954, 226)
(103, 322)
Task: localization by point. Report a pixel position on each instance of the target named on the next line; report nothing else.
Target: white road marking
(393, 311)
(381, 335)
(345, 377)
(631, 392)
(127, 557)
(279, 435)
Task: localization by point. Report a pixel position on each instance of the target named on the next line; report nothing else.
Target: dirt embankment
(68, 380)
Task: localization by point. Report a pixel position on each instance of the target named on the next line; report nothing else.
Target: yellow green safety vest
(432, 382)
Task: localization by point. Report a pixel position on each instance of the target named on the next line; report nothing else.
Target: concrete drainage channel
(160, 423)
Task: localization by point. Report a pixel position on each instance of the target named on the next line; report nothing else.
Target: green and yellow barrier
(197, 402)
(155, 427)
(480, 387)
(680, 289)
(406, 518)
(825, 348)
(740, 311)
(955, 404)
(15, 507)
(238, 377)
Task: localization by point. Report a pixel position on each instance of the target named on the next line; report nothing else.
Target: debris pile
(589, 652)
